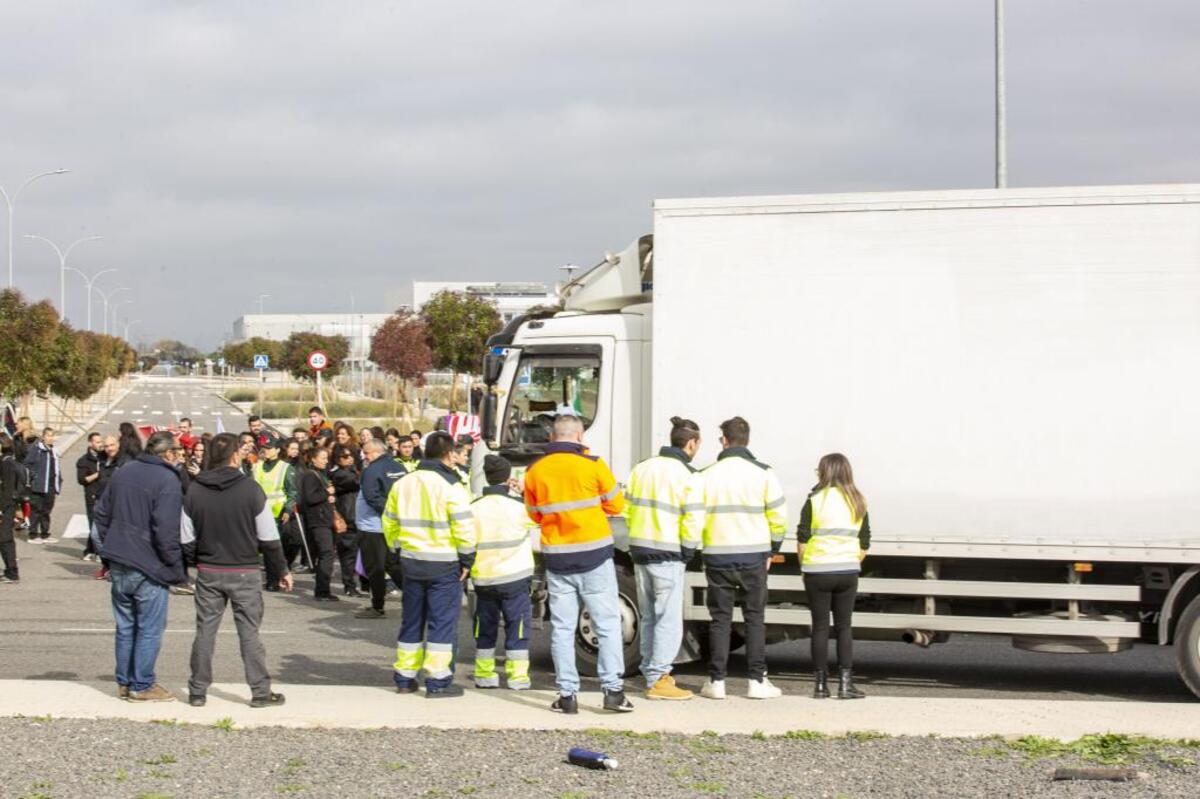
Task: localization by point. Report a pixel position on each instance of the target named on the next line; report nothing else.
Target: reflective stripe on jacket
(736, 511)
(428, 515)
(272, 485)
(571, 495)
(503, 547)
(831, 540)
(654, 507)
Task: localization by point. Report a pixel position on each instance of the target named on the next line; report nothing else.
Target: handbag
(339, 523)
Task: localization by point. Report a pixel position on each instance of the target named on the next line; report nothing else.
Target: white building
(511, 299)
(356, 327)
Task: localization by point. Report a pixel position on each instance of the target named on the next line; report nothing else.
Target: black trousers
(838, 591)
(725, 588)
(293, 544)
(347, 554)
(40, 507)
(89, 506)
(272, 579)
(321, 548)
(8, 548)
(380, 563)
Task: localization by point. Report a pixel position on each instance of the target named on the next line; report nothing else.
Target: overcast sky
(309, 150)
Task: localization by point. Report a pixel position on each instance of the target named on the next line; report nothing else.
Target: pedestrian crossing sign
(261, 361)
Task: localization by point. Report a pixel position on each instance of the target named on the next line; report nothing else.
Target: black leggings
(838, 590)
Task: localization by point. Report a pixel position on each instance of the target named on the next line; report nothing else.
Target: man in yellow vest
(404, 455)
(738, 513)
(428, 515)
(502, 574)
(655, 500)
(277, 479)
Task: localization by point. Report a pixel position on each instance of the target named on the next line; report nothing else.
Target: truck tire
(1187, 646)
(587, 645)
(736, 641)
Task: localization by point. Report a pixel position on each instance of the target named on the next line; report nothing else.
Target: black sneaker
(326, 598)
(448, 692)
(270, 700)
(353, 592)
(370, 613)
(407, 689)
(616, 702)
(566, 704)
(198, 700)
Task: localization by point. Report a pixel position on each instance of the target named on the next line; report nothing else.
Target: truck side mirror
(487, 419)
(493, 363)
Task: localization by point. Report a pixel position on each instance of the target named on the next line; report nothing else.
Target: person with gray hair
(137, 530)
(380, 473)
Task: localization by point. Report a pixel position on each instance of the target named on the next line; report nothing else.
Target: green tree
(67, 376)
(299, 345)
(241, 354)
(458, 326)
(28, 335)
(171, 350)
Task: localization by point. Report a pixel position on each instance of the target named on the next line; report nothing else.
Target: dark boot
(821, 686)
(846, 688)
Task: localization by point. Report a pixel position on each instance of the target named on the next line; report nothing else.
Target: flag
(463, 424)
(220, 426)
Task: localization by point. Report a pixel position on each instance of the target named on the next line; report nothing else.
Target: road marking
(109, 630)
(158, 413)
(118, 410)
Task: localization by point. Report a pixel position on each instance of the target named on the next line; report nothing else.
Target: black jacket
(345, 483)
(87, 465)
(137, 520)
(315, 507)
(12, 482)
(226, 521)
(45, 469)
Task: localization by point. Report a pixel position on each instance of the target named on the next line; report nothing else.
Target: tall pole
(91, 282)
(63, 255)
(106, 296)
(1001, 111)
(11, 202)
(129, 325)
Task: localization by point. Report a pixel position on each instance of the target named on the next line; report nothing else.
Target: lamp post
(91, 281)
(106, 296)
(1001, 102)
(11, 202)
(62, 267)
(129, 325)
(115, 306)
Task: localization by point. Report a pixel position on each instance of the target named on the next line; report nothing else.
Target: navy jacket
(43, 464)
(137, 519)
(374, 486)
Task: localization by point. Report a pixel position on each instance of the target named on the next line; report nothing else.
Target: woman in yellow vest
(832, 540)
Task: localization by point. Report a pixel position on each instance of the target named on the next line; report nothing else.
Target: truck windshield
(546, 386)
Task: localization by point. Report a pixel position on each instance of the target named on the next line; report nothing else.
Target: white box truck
(1012, 374)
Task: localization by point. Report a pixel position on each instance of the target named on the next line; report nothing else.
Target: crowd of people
(394, 513)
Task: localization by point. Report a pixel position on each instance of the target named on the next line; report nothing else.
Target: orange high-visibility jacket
(571, 495)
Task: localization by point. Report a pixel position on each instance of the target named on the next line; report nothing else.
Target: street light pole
(1001, 103)
(115, 306)
(90, 283)
(106, 296)
(129, 325)
(11, 202)
(62, 267)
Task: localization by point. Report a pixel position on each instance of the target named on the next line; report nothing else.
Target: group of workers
(734, 512)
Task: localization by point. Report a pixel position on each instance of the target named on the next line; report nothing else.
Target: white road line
(109, 630)
(160, 413)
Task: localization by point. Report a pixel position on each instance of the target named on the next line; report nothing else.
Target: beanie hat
(496, 469)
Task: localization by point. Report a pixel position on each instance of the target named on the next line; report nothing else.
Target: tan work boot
(155, 693)
(665, 688)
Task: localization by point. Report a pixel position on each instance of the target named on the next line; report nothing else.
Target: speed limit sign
(318, 360)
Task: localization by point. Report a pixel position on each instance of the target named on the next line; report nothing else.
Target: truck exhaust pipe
(922, 638)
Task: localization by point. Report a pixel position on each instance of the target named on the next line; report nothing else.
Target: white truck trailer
(1011, 373)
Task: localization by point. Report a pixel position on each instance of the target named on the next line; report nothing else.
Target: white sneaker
(713, 689)
(763, 690)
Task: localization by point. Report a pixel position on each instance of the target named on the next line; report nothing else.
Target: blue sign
(261, 362)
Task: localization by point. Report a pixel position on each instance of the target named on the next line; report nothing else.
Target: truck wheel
(736, 641)
(587, 644)
(1187, 646)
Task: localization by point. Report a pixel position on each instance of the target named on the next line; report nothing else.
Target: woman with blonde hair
(832, 539)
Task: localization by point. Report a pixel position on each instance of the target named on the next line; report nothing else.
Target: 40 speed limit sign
(318, 360)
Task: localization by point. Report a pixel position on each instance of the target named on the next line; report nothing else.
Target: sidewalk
(327, 706)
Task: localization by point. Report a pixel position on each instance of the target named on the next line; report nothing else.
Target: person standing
(138, 530)
(318, 425)
(379, 560)
(345, 480)
(227, 520)
(45, 484)
(655, 499)
(739, 514)
(428, 515)
(832, 539)
(277, 479)
(316, 510)
(502, 574)
(87, 474)
(415, 437)
(12, 482)
(131, 442)
(405, 454)
(186, 439)
(570, 494)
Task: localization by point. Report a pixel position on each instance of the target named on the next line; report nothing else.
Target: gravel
(76, 758)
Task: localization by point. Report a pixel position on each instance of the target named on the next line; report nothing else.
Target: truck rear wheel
(587, 644)
(1187, 646)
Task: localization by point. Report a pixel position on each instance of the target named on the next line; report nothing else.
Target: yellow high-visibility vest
(834, 545)
(272, 484)
(503, 547)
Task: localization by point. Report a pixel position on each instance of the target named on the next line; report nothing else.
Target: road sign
(262, 362)
(318, 360)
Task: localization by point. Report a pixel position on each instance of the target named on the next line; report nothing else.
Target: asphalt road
(57, 623)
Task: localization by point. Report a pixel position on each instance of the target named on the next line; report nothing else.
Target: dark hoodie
(226, 520)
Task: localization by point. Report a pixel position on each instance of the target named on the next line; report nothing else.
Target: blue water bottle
(590, 759)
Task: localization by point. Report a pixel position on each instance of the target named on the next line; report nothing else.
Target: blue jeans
(140, 611)
(598, 591)
(660, 603)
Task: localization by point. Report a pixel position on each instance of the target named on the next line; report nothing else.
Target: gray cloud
(312, 149)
